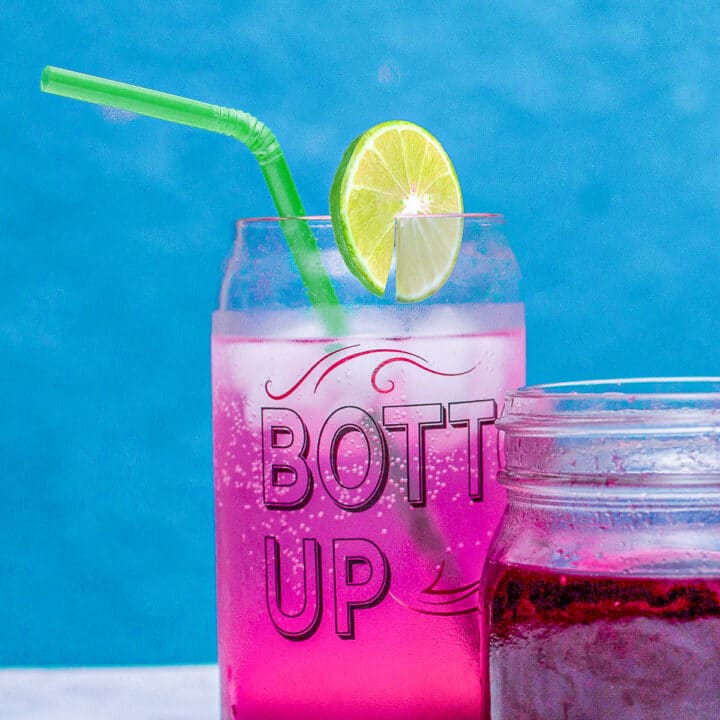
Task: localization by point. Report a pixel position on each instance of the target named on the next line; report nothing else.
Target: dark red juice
(568, 646)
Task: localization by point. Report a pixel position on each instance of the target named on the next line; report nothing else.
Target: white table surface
(139, 693)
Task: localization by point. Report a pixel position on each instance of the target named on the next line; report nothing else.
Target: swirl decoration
(398, 356)
(304, 377)
(444, 602)
(391, 385)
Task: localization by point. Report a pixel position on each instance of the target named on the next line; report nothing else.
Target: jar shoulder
(635, 541)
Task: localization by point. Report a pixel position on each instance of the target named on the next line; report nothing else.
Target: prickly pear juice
(584, 646)
(355, 502)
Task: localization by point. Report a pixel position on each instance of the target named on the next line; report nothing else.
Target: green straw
(240, 125)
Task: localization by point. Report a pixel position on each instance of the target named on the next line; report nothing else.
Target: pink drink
(591, 647)
(356, 490)
(397, 635)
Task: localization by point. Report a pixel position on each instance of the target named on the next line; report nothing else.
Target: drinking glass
(355, 478)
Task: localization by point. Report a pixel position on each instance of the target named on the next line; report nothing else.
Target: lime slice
(393, 170)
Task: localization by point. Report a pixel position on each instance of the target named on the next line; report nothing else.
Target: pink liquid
(595, 647)
(355, 602)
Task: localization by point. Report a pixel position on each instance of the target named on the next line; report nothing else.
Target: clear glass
(601, 592)
(355, 481)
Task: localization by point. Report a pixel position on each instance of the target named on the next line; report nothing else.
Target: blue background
(594, 126)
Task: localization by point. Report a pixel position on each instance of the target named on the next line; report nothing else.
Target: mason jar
(601, 591)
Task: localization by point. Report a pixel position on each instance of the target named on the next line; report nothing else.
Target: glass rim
(628, 389)
(643, 432)
(497, 218)
(594, 407)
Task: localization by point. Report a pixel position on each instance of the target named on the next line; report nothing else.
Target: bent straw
(235, 123)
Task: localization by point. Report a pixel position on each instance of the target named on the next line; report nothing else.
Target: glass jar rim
(616, 400)
(649, 387)
(640, 432)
